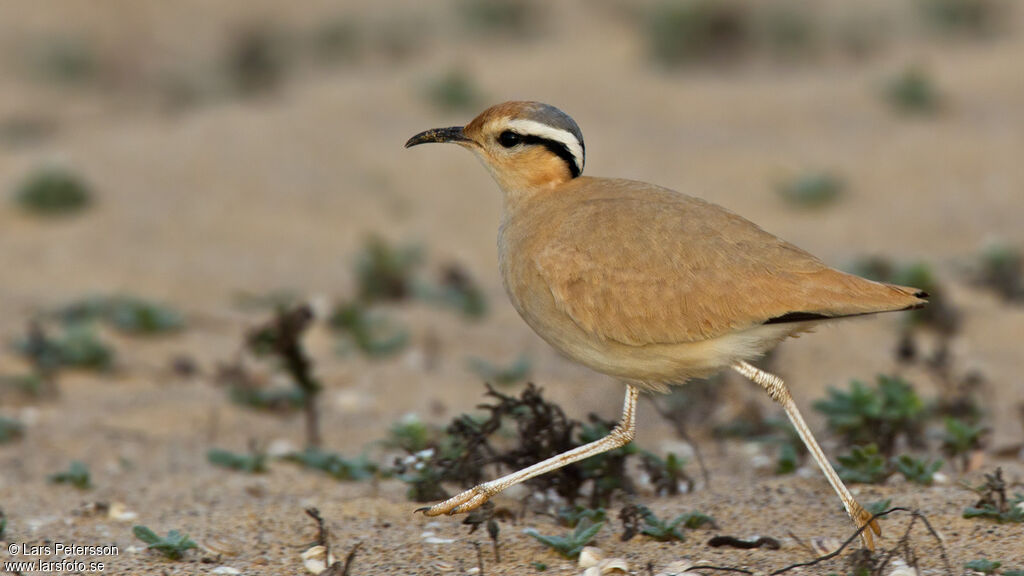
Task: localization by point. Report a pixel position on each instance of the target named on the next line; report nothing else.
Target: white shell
(314, 559)
(590, 556)
(900, 568)
(613, 566)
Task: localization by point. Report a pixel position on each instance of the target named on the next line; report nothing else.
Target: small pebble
(225, 570)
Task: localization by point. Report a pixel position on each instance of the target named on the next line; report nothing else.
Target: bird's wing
(667, 268)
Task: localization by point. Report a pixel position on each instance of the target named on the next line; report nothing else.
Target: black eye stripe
(510, 139)
(556, 148)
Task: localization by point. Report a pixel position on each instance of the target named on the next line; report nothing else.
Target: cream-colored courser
(643, 283)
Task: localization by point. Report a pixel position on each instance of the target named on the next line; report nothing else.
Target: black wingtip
(921, 294)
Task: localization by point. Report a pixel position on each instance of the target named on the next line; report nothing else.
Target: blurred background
(172, 171)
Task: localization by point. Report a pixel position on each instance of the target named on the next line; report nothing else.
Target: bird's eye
(509, 139)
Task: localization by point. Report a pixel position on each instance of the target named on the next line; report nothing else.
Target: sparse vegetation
(1002, 270)
(965, 17)
(53, 191)
(993, 502)
(682, 32)
(863, 465)
(458, 290)
(878, 415)
(570, 516)
(370, 331)
(510, 18)
(983, 565)
(344, 469)
(454, 91)
(661, 530)
(66, 60)
(77, 347)
(254, 462)
(468, 448)
(668, 474)
(917, 470)
(257, 60)
(411, 435)
(913, 91)
(336, 41)
(10, 430)
(128, 314)
(173, 546)
(878, 506)
(572, 543)
(281, 338)
(960, 439)
(76, 475)
(814, 189)
(385, 272)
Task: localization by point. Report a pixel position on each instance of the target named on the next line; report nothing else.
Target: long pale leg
(777, 390)
(473, 498)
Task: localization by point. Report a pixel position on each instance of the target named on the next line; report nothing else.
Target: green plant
(272, 399)
(281, 339)
(53, 191)
(913, 92)
(571, 516)
(129, 314)
(453, 91)
(78, 347)
(516, 18)
(10, 430)
(812, 189)
(346, 469)
(173, 546)
(572, 543)
(384, 271)
(661, 530)
(695, 520)
(918, 471)
(878, 415)
(518, 371)
(878, 506)
(972, 17)
(983, 565)
(410, 434)
(960, 438)
(336, 41)
(256, 60)
(371, 332)
(666, 474)
(1002, 269)
(76, 475)
(254, 462)
(993, 502)
(788, 29)
(456, 290)
(685, 31)
(863, 465)
(67, 60)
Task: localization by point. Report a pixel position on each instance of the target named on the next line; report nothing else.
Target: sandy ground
(230, 195)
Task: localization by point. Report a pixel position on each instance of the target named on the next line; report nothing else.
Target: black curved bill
(451, 134)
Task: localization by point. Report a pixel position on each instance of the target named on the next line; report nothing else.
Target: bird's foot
(465, 502)
(862, 518)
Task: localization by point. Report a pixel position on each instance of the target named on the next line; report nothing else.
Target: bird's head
(525, 145)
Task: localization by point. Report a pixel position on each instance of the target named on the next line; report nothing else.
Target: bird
(645, 284)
